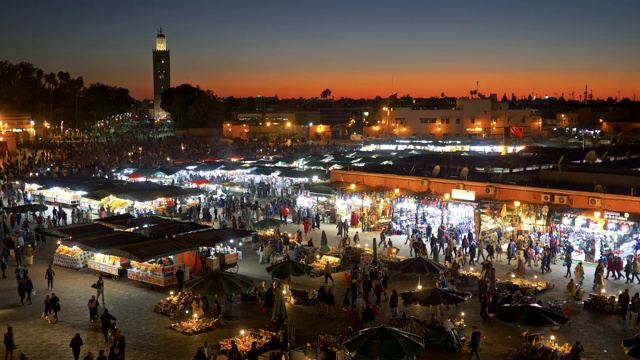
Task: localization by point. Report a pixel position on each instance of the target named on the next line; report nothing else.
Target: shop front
(597, 234)
(458, 212)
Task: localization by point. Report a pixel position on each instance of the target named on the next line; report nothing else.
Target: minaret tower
(161, 73)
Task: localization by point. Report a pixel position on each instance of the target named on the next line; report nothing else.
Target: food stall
(153, 273)
(71, 257)
(114, 266)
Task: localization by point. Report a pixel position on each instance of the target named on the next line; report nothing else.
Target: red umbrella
(210, 159)
(134, 176)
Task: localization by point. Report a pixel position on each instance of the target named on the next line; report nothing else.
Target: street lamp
(396, 190)
(353, 186)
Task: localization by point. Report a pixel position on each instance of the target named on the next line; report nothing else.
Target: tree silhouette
(325, 94)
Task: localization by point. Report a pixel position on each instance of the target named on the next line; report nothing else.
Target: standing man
(327, 273)
(180, 276)
(567, 263)
(100, 288)
(9, 343)
(475, 342)
(75, 345)
(105, 321)
(49, 275)
(623, 301)
(408, 235)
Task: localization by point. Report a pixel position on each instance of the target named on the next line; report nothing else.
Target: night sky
(355, 48)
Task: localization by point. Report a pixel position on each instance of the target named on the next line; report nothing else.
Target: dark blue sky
(355, 48)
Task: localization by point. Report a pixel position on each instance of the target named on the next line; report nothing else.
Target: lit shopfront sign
(612, 215)
(459, 194)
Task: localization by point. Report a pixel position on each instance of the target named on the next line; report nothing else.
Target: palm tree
(325, 94)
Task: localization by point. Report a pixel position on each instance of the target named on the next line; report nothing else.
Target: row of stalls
(104, 197)
(147, 250)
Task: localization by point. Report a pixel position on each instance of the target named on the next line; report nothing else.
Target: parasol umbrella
(529, 315)
(26, 208)
(324, 247)
(288, 268)
(220, 283)
(419, 265)
(631, 343)
(384, 342)
(268, 223)
(375, 251)
(279, 305)
(434, 335)
(633, 351)
(435, 296)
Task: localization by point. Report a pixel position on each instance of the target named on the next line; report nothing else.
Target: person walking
(567, 263)
(393, 304)
(22, 290)
(49, 275)
(54, 302)
(93, 308)
(76, 345)
(28, 287)
(28, 253)
(47, 309)
(9, 344)
(623, 300)
(576, 351)
(100, 288)
(105, 321)
(634, 275)
(476, 336)
(578, 272)
(327, 273)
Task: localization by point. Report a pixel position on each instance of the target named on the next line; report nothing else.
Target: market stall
(595, 236)
(71, 257)
(153, 273)
(113, 266)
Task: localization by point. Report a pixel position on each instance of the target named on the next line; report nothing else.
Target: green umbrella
(26, 208)
(288, 268)
(324, 248)
(220, 283)
(268, 223)
(384, 342)
(279, 305)
(375, 251)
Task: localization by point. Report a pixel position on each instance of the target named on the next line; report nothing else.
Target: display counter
(113, 266)
(71, 257)
(59, 196)
(154, 274)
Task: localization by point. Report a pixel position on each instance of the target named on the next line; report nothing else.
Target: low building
(468, 119)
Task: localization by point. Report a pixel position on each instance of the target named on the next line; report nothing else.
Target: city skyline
(358, 49)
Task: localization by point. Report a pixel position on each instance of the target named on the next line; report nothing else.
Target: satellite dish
(464, 173)
(436, 171)
(604, 156)
(598, 188)
(591, 156)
